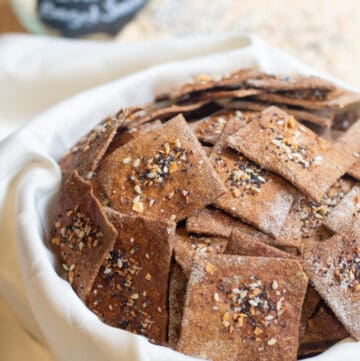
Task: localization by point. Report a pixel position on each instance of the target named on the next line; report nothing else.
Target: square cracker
(334, 271)
(162, 174)
(187, 246)
(279, 143)
(322, 117)
(346, 213)
(303, 226)
(130, 290)
(244, 308)
(256, 196)
(86, 154)
(209, 129)
(82, 235)
(242, 245)
(177, 291)
(295, 83)
(214, 222)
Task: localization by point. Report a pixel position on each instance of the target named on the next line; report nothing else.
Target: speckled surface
(323, 33)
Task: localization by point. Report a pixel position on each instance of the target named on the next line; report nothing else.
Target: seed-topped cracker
(82, 235)
(177, 291)
(334, 271)
(322, 117)
(164, 174)
(204, 82)
(322, 331)
(214, 222)
(276, 141)
(209, 129)
(303, 226)
(130, 290)
(277, 83)
(242, 245)
(86, 154)
(346, 213)
(153, 112)
(244, 308)
(124, 135)
(187, 246)
(254, 195)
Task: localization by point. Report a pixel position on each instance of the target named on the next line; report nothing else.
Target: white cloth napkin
(36, 73)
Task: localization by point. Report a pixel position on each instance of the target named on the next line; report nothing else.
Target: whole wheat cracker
(209, 129)
(279, 143)
(203, 82)
(346, 213)
(86, 154)
(152, 112)
(187, 246)
(322, 331)
(240, 244)
(323, 117)
(82, 235)
(254, 195)
(177, 291)
(224, 320)
(295, 83)
(336, 100)
(124, 135)
(131, 288)
(164, 174)
(334, 272)
(311, 301)
(303, 226)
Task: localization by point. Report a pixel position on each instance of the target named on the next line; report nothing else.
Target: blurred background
(324, 34)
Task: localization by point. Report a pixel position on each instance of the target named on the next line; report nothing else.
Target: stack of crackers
(222, 220)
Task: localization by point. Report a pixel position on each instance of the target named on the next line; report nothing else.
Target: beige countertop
(324, 34)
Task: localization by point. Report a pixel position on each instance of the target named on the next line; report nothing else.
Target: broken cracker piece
(130, 290)
(248, 308)
(334, 272)
(254, 195)
(163, 174)
(277, 142)
(82, 235)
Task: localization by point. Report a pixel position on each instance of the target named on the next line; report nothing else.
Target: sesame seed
(72, 267)
(272, 341)
(201, 161)
(151, 202)
(216, 297)
(135, 296)
(137, 189)
(173, 217)
(138, 207)
(159, 309)
(89, 175)
(107, 271)
(136, 163)
(178, 143)
(274, 285)
(126, 160)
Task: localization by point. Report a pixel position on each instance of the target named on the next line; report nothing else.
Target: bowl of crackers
(222, 219)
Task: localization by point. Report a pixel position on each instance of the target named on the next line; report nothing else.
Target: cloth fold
(38, 72)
